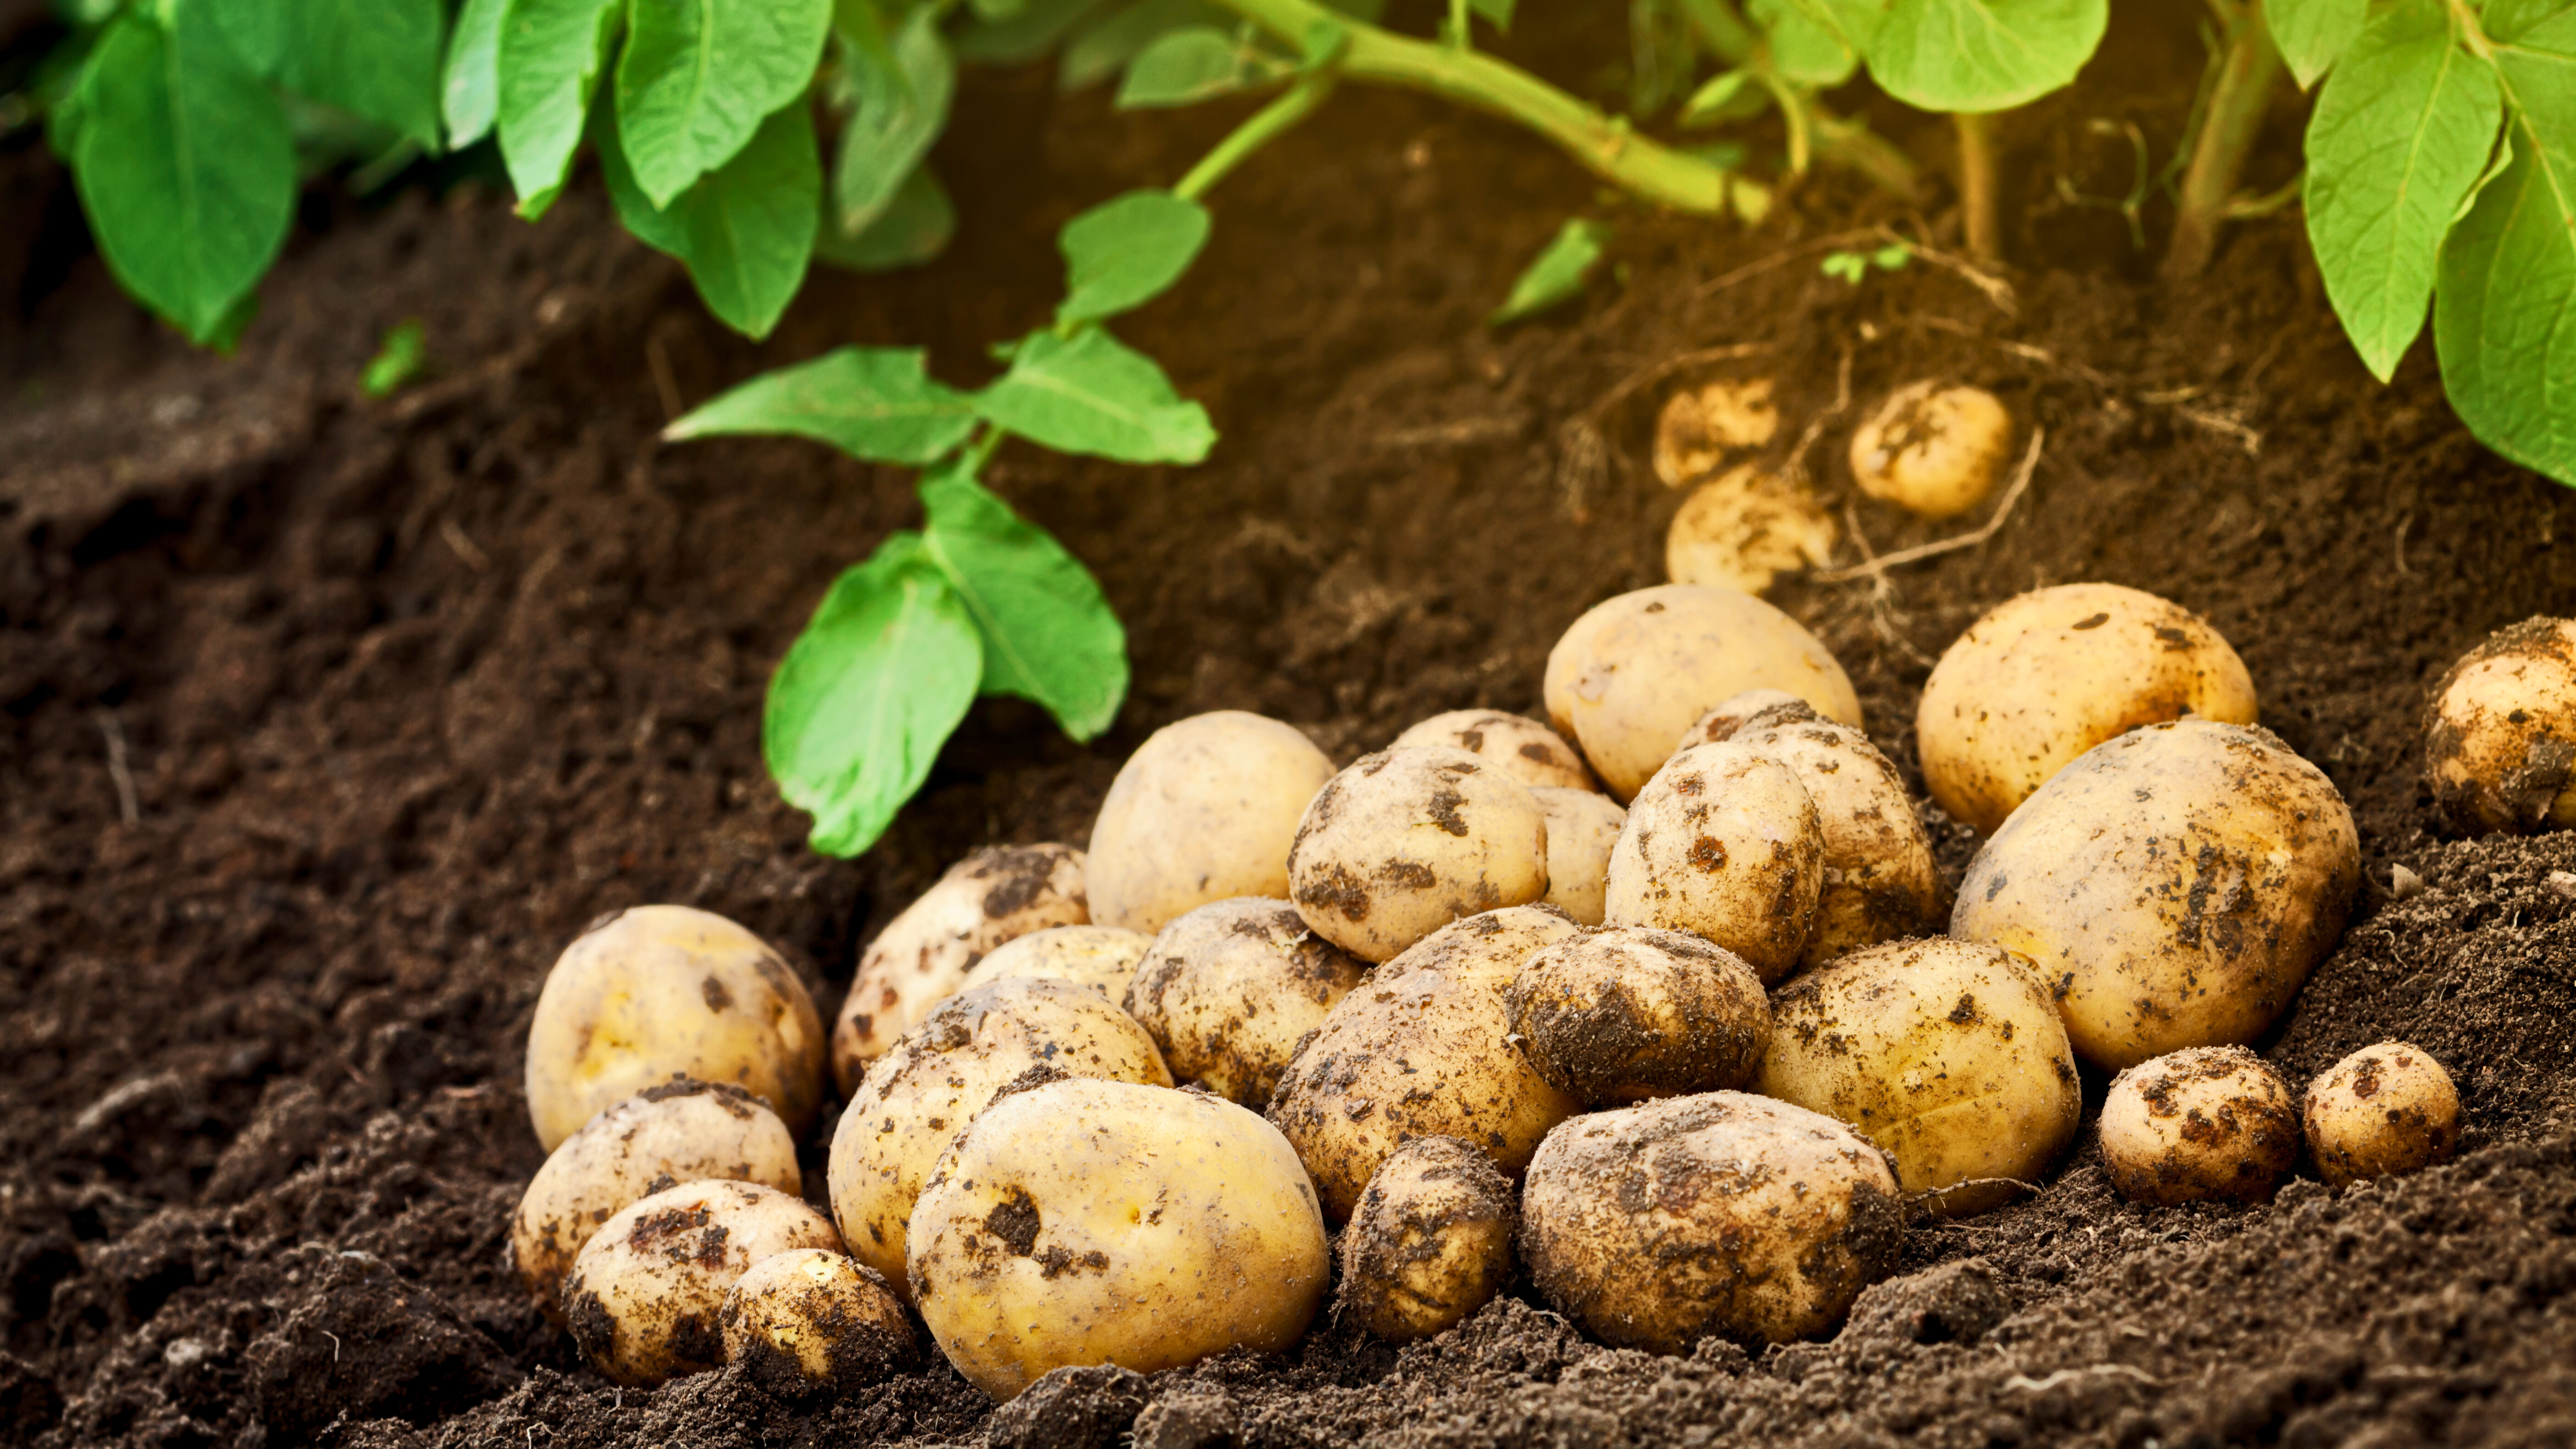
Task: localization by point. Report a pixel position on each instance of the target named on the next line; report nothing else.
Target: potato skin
(1406, 841)
(1582, 827)
(1228, 990)
(1932, 450)
(1745, 528)
(1723, 843)
(645, 1294)
(2500, 733)
(2385, 1111)
(2203, 1122)
(2174, 887)
(658, 992)
(1512, 744)
(1088, 1222)
(1203, 811)
(1946, 1053)
(1431, 1241)
(1700, 426)
(809, 1319)
(1102, 958)
(1418, 1051)
(1627, 1013)
(2047, 675)
(1636, 670)
(1880, 882)
(1657, 1225)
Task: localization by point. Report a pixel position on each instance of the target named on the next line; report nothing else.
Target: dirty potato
(1626, 1014)
(645, 1293)
(1699, 427)
(1582, 826)
(1203, 811)
(1103, 958)
(2173, 886)
(1522, 748)
(1431, 1242)
(1088, 1222)
(2203, 1122)
(2500, 737)
(1739, 712)
(2384, 1111)
(1406, 841)
(814, 1320)
(1745, 528)
(1932, 450)
(1228, 990)
(1723, 843)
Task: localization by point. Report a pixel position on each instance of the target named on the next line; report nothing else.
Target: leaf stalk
(2246, 71)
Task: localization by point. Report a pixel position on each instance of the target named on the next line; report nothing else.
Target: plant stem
(2245, 74)
(1853, 145)
(1458, 17)
(1264, 126)
(1978, 187)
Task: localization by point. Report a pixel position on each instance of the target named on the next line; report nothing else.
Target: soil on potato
(325, 723)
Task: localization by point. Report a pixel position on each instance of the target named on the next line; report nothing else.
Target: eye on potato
(2174, 887)
(1103, 958)
(1700, 426)
(1626, 1014)
(1582, 826)
(2384, 1111)
(1745, 528)
(658, 992)
(1406, 841)
(1522, 748)
(1658, 1225)
(2500, 736)
(645, 1294)
(810, 1319)
(2203, 1122)
(1946, 1053)
(1431, 1241)
(1204, 811)
(1633, 673)
(1228, 990)
(1723, 843)
(1932, 450)
(2047, 675)
(1088, 1222)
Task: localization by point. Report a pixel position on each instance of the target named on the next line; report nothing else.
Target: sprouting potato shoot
(1582, 826)
(2384, 1111)
(1522, 748)
(1626, 1014)
(1228, 990)
(1931, 449)
(658, 992)
(1431, 1241)
(1723, 843)
(1406, 841)
(2500, 737)
(1699, 427)
(1745, 528)
(2203, 1122)
(810, 1319)
(1103, 958)
(645, 1294)
(1204, 811)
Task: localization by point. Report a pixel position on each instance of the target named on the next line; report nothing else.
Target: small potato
(1431, 1242)
(658, 992)
(1088, 1222)
(1700, 426)
(1637, 670)
(645, 1294)
(1582, 826)
(1737, 713)
(1744, 529)
(1723, 843)
(1658, 1225)
(2500, 737)
(1419, 1051)
(1204, 811)
(810, 1319)
(992, 897)
(2045, 676)
(1103, 958)
(1228, 990)
(681, 1131)
(2199, 1123)
(942, 1073)
(1406, 841)
(2174, 887)
(2384, 1111)
(1948, 1054)
(1931, 450)
(1627, 1014)
(1522, 748)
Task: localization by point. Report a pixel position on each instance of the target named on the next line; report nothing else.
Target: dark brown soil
(325, 723)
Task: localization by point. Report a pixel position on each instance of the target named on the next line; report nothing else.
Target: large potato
(646, 1293)
(1627, 1013)
(1419, 1051)
(1203, 811)
(992, 897)
(2173, 886)
(1582, 828)
(1431, 1242)
(1932, 450)
(943, 1072)
(2500, 737)
(2045, 676)
(811, 1319)
(1089, 1222)
(658, 992)
(1522, 748)
(1946, 1053)
(1228, 990)
(2384, 1111)
(1723, 843)
(1658, 1225)
(2203, 1122)
(1103, 958)
(1636, 671)
(1406, 841)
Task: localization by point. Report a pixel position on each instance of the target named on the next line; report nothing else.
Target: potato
(1946, 1053)
(1627, 1013)
(2047, 675)
(2199, 1123)
(1406, 841)
(2384, 1111)
(1522, 748)
(811, 1319)
(658, 992)
(1582, 826)
(1088, 1222)
(1637, 670)
(1931, 450)
(1419, 1051)
(2174, 887)
(681, 1131)
(1723, 843)
(1658, 1225)
(1700, 426)
(1103, 958)
(645, 1292)
(1737, 712)
(2500, 736)
(1744, 529)
(1228, 990)
(992, 897)
(943, 1072)
(1203, 811)
(1431, 1242)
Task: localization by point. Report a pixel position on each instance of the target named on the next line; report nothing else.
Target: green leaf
(1049, 635)
(378, 60)
(1855, 22)
(2504, 319)
(1122, 254)
(184, 166)
(1982, 55)
(2313, 34)
(868, 693)
(470, 93)
(1802, 49)
(1559, 274)
(1097, 50)
(1194, 64)
(1729, 95)
(903, 93)
(1090, 393)
(877, 403)
(2505, 20)
(1496, 12)
(2402, 129)
(404, 353)
(913, 228)
(698, 77)
(551, 54)
(1023, 37)
(746, 230)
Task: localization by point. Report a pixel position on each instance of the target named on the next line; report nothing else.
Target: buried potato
(1931, 450)
(1522, 748)
(1103, 958)
(814, 1319)
(2203, 1122)
(1627, 1013)
(1699, 427)
(2500, 736)
(2384, 1111)
(1582, 828)
(1203, 811)
(646, 1293)
(1723, 843)
(1228, 990)
(1744, 529)
(1406, 841)
(1431, 1241)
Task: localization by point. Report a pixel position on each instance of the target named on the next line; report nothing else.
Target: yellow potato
(2174, 887)
(1089, 1222)
(1228, 990)
(2500, 737)
(1723, 843)
(1932, 450)
(1406, 841)
(1946, 1053)
(1431, 1242)
(2384, 1111)
(1522, 748)
(1582, 826)
(2047, 675)
(2203, 1122)
(811, 1319)
(1627, 1014)
(1203, 811)
(1744, 529)
(646, 1291)
(1700, 426)
(658, 992)
(1103, 958)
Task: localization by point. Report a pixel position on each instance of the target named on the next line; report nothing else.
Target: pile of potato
(1648, 1001)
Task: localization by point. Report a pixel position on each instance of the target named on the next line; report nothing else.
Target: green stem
(1265, 125)
(1722, 30)
(1458, 17)
(1978, 188)
(1851, 144)
(1793, 110)
(2246, 71)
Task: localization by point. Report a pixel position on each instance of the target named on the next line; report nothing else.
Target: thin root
(2027, 1384)
(1583, 449)
(1877, 567)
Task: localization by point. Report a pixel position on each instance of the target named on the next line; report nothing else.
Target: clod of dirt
(363, 1343)
(1951, 1303)
(1070, 1408)
(1194, 1418)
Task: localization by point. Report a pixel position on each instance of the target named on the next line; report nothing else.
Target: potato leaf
(1124, 253)
(2506, 20)
(903, 96)
(877, 403)
(1803, 50)
(914, 228)
(745, 231)
(551, 54)
(1101, 47)
(1559, 274)
(379, 61)
(1090, 393)
(1854, 22)
(402, 358)
(470, 91)
(2313, 34)
(1049, 634)
(1498, 12)
(1193, 64)
(1021, 38)
(1982, 55)
(699, 76)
